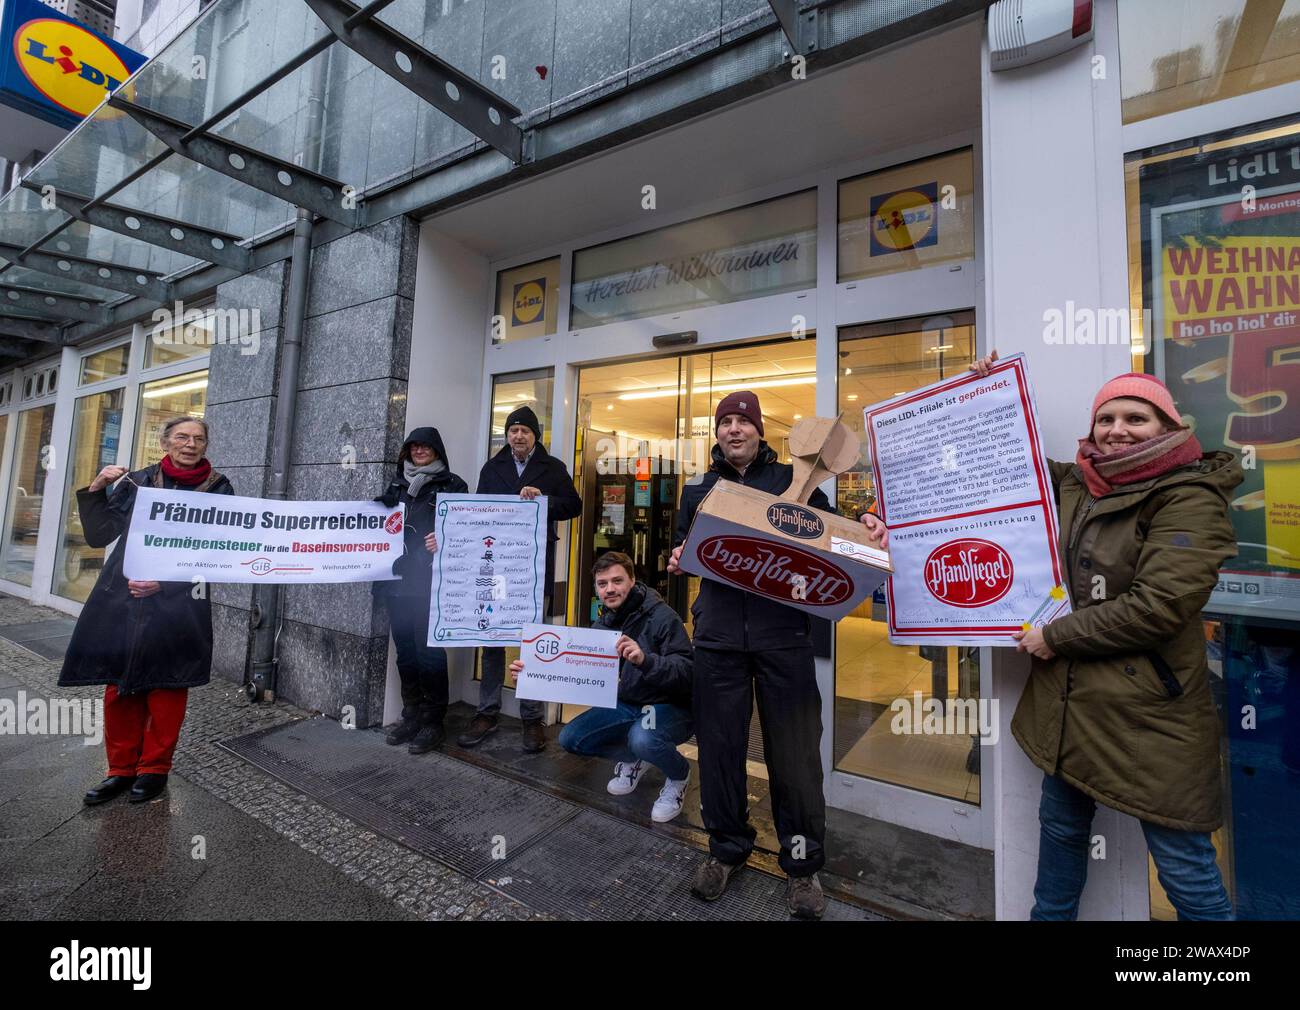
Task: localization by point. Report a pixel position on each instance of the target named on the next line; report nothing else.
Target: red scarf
(192, 477)
(1104, 471)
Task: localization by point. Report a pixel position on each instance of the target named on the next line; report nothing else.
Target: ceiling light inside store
(939, 347)
(184, 387)
(719, 387)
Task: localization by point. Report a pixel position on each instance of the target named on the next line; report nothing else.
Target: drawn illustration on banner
(489, 569)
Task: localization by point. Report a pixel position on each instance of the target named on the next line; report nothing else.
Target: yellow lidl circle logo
(906, 219)
(67, 64)
(529, 303)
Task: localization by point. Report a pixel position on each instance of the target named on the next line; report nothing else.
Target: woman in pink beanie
(1117, 709)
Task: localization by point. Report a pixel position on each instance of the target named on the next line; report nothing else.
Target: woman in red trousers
(150, 642)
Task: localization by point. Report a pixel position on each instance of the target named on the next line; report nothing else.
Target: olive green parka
(1124, 712)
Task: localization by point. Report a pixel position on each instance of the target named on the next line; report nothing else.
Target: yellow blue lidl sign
(56, 68)
(529, 302)
(905, 219)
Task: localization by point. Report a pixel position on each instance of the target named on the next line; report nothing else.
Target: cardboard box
(783, 550)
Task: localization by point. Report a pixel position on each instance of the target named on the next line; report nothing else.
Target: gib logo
(71, 67)
(905, 219)
(795, 520)
(260, 566)
(968, 573)
(546, 646)
(753, 564)
(393, 524)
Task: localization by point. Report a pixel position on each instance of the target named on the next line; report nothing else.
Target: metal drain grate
(598, 867)
(559, 857)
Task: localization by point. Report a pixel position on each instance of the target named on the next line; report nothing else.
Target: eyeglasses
(186, 439)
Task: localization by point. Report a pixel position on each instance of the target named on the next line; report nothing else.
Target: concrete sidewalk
(267, 852)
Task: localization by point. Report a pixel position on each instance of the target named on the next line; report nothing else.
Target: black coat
(665, 677)
(544, 472)
(727, 617)
(159, 641)
(414, 569)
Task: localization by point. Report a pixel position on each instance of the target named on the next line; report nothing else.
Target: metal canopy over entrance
(191, 173)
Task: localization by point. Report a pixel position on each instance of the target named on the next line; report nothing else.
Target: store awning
(190, 174)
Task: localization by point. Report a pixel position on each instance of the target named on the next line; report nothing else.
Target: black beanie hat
(526, 417)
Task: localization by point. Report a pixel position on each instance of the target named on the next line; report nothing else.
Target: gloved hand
(390, 498)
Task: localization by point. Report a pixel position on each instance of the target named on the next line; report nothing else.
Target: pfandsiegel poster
(1221, 263)
(962, 483)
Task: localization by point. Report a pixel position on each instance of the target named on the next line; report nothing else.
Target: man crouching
(653, 714)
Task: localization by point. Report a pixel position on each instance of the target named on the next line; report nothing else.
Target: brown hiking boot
(534, 736)
(804, 897)
(711, 878)
(478, 730)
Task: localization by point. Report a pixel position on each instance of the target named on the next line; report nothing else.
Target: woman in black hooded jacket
(423, 474)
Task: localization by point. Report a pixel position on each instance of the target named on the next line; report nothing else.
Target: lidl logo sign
(55, 68)
(905, 219)
(529, 303)
(70, 66)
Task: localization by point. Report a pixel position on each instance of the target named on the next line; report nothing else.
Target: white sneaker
(671, 797)
(626, 776)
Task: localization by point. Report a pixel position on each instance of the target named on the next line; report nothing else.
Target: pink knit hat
(1137, 386)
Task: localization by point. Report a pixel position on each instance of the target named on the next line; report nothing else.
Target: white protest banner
(489, 570)
(178, 536)
(573, 666)
(962, 483)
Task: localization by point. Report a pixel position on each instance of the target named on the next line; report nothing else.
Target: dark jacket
(666, 676)
(727, 617)
(159, 641)
(1124, 711)
(415, 567)
(544, 472)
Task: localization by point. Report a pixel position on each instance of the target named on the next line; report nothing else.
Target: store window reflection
(1177, 54)
(878, 362)
(520, 389)
(96, 430)
(163, 399)
(32, 465)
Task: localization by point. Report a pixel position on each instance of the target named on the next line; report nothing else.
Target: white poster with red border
(963, 485)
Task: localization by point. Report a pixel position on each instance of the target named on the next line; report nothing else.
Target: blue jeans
(1184, 860)
(621, 733)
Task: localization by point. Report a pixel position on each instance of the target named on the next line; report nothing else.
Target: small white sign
(573, 666)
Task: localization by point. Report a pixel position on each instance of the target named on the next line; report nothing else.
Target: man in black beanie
(522, 467)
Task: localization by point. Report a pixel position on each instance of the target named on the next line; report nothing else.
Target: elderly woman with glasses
(149, 642)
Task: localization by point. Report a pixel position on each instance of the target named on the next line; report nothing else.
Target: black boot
(430, 737)
(403, 732)
(114, 785)
(147, 787)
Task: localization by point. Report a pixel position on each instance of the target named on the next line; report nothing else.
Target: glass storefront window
(907, 217)
(163, 399)
(877, 362)
(520, 389)
(1178, 54)
(763, 249)
(96, 430)
(107, 364)
(528, 301)
(33, 459)
(1218, 277)
(191, 338)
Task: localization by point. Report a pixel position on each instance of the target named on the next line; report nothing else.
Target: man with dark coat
(653, 713)
(746, 644)
(522, 467)
(423, 473)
